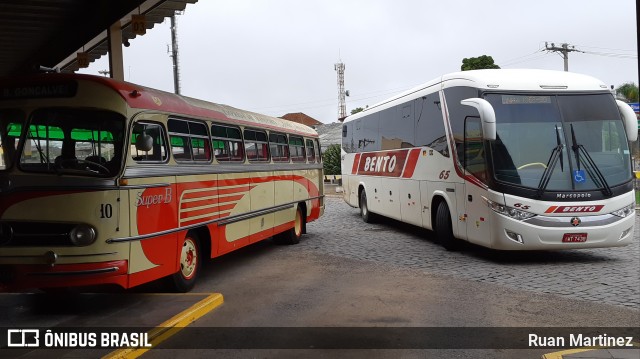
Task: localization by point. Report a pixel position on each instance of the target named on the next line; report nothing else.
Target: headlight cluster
(82, 235)
(625, 211)
(510, 212)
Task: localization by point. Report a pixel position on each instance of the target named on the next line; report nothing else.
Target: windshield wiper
(551, 164)
(577, 149)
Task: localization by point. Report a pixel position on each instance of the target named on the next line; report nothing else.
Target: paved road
(606, 275)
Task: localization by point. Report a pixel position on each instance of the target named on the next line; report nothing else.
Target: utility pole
(174, 54)
(564, 51)
(342, 106)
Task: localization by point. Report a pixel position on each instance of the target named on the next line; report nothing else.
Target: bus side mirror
(144, 142)
(487, 116)
(630, 120)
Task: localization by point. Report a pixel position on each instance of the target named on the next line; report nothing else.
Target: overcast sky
(278, 56)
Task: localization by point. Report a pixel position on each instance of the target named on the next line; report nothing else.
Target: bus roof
(498, 79)
(144, 98)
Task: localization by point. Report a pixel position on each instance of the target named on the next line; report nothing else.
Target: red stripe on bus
(551, 209)
(412, 161)
(213, 211)
(356, 162)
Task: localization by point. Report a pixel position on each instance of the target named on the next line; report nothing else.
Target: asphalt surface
(603, 275)
(349, 274)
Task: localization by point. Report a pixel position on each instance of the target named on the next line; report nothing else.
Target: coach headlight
(82, 235)
(510, 212)
(625, 211)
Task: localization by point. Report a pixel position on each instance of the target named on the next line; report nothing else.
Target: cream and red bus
(106, 182)
(507, 159)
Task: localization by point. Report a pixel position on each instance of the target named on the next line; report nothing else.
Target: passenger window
(256, 145)
(189, 141)
(148, 143)
(279, 147)
(227, 143)
(296, 146)
(311, 152)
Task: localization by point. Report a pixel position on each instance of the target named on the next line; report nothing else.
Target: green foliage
(478, 63)
(629, 91)
(356, 110)
(331, 160)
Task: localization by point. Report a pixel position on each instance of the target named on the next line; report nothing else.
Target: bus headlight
(625, 211)
(510, 212)
(82, 235)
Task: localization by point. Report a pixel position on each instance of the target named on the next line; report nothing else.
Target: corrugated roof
(48, 33)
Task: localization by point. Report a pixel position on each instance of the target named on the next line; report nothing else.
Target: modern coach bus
(507, 159)
(106, 182)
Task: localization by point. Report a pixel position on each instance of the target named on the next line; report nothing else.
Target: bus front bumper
(17, 277)
(553, 233)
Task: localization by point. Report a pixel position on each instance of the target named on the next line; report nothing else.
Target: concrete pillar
(116, 61)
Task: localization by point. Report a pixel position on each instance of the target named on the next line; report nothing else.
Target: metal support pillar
(116, 61)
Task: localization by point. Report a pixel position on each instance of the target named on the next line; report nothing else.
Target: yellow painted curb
(170, 327)
(558, 355)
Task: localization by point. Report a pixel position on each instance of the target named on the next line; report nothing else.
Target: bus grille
(34, 234)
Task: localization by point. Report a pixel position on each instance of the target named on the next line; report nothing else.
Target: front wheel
(189, 265)
(444, 230)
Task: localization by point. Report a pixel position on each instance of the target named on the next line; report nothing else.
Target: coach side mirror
(144, 142)
(487, 116)
(629, 119)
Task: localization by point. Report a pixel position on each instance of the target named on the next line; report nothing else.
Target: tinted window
(430, 130)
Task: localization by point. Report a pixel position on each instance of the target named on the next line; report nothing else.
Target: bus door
(152, 203)
(476, 213)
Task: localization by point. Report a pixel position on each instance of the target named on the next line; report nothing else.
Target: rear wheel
(444, 230)
(189, 265)
(367, 216)
(293, 235)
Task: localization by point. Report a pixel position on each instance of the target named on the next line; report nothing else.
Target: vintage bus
(106, 182)
(507, 159)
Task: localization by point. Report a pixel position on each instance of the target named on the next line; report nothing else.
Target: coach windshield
(559, 142)
(80, 142)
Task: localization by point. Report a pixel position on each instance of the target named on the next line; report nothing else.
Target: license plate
(574, 238)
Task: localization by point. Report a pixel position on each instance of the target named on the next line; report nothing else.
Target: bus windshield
(586, 131)
(81, 142)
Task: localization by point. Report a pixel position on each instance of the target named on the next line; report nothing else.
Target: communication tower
(342, 106)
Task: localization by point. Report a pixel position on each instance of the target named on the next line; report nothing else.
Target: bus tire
(367, 216)
(293, 235)
(444, 230)
(189, 263)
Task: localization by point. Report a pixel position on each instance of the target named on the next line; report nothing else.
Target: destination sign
(51, 90)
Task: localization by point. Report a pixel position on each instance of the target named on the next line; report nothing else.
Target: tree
(331, 160)
(478, 63)
(629, 91)
(356, 110)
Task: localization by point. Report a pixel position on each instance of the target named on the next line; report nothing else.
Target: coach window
(311, 152)
(430, 130)
(296, 146)
(279, 147)
(148, 143)
(256, 145)
(458, 112)
(317, 142)
(227, 143)
(474, 159)
(189, 141)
